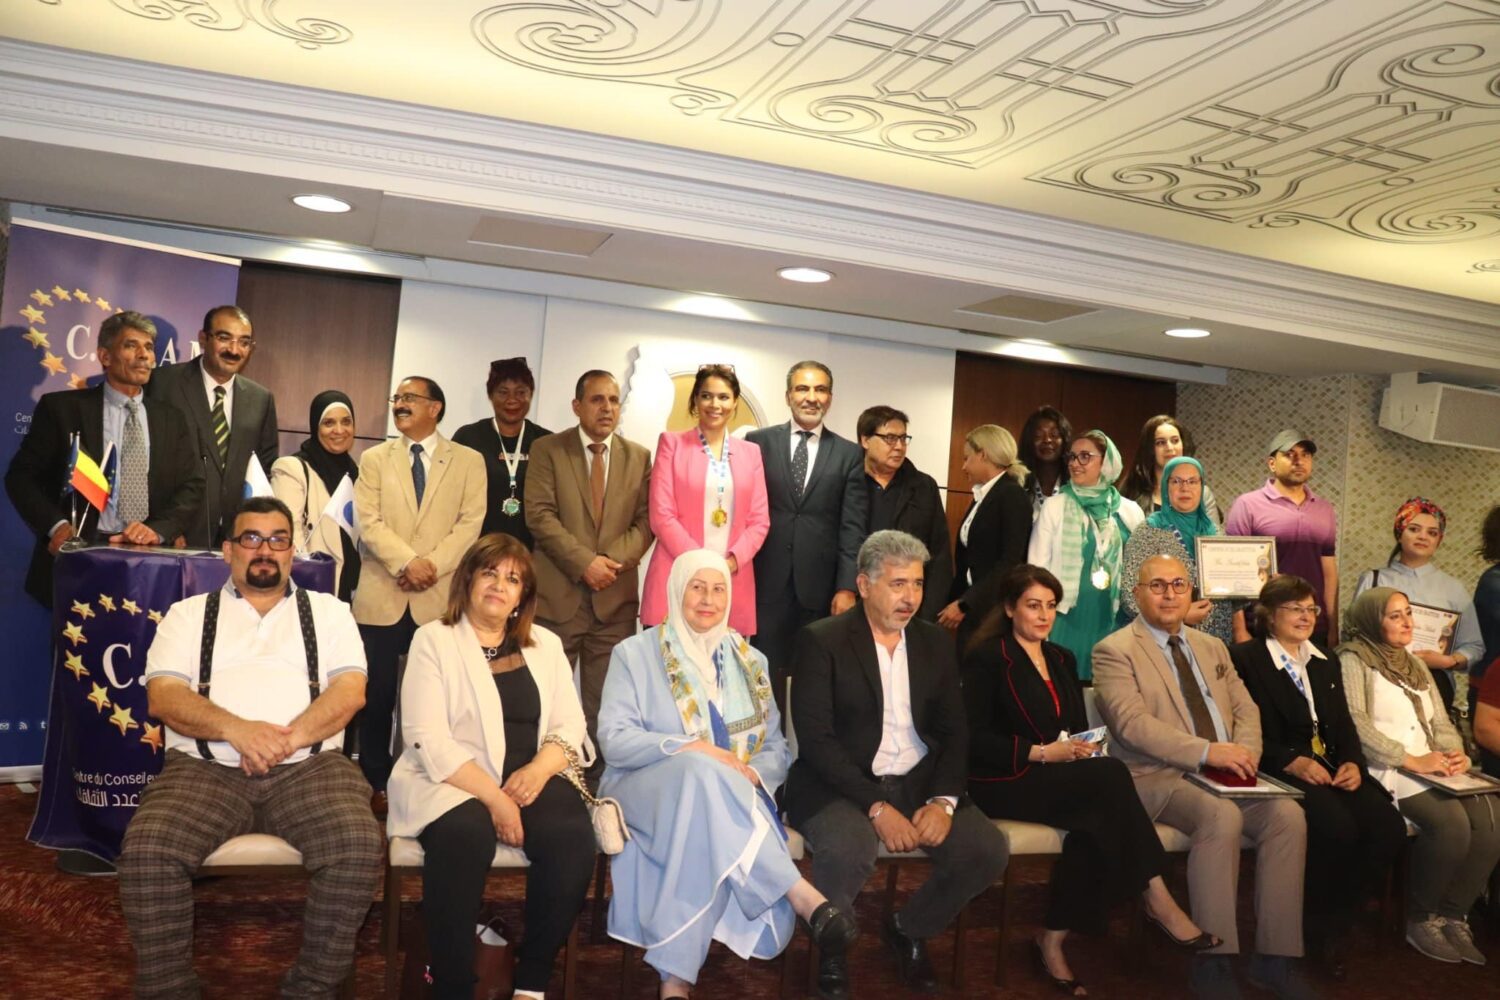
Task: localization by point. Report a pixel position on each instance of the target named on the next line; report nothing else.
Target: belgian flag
(88, 479)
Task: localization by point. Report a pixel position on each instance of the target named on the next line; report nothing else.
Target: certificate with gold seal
(1234, 566)
(1432, 628)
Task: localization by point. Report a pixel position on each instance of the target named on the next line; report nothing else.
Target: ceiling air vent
(1031, 310)
(538, 237)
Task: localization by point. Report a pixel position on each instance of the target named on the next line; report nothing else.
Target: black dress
(1111, 851)
(482, 436)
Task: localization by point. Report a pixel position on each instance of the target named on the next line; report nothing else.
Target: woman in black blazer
(1023, 700)
(994, 533)
(1354, 831)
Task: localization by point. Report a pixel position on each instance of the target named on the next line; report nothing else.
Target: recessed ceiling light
(806, 275)
(321, 203)
(1187, 332)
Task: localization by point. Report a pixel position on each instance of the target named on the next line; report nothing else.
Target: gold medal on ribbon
(1100, 578)
(1319, 747)
(719, 517)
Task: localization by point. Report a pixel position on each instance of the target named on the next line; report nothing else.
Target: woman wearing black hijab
(307, 478)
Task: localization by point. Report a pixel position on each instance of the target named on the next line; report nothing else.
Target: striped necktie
(221, 425)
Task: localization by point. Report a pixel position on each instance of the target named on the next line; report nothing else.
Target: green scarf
(1091, 510)
(1187, 526)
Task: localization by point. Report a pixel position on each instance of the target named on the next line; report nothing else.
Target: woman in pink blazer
(708, 491)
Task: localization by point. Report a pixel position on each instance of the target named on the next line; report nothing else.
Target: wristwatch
(946, 806)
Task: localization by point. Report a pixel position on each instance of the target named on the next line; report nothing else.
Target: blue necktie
(418, 473)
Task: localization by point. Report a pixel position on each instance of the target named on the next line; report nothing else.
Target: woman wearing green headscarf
(1080, 537)
(1171, 531)
(1404, 730)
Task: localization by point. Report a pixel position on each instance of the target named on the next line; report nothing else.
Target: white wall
(453, 332)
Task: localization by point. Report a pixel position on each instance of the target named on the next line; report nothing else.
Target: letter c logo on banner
(72, 344)
(109, 665)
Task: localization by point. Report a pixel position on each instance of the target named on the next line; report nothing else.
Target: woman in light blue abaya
(693, 747)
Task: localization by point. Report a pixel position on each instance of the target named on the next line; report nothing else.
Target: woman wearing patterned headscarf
(1172, 531)
(1080, 537)
(1419, 529)
(1403, 729)
(693, 750)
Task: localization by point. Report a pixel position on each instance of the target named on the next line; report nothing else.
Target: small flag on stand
(87, 479)
(341, 508)
(256, 483)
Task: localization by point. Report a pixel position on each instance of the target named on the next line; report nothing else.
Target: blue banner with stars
(59, 286)
(103, 748)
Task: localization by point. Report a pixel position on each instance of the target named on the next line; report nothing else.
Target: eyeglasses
(1081, 457)
(1301, 610)
(1160, 587)
(253, 540)
(409, 398)
(1174, 482)
(224, 339)
(894, 440)
(716, 367)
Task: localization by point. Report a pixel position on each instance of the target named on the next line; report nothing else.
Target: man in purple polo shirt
(1304, 525)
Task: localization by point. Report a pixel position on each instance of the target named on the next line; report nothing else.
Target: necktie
(418, 473)
(799, 464)
(134, 503)
(221, 425)
(596, 480)
(1203, 723)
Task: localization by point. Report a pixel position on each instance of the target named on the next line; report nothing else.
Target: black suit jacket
(483, 438)
(813, 542)
(916, 507)
(252, 428)
(838, 712)
(40, 469)
(1010, 709)
(1286, 726)
(998, 538)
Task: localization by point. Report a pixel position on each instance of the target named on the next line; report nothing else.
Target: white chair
(259, 855)
(406, 858)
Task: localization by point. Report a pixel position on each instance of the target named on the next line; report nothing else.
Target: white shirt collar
(816, 432)
(1303, 654)
(982, 489)
(429, 443)
(607, 442)
(210, 383)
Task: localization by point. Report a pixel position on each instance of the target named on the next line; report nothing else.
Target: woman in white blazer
(305, 479)
(484, 691)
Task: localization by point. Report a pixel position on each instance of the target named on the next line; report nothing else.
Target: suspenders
(206, 654)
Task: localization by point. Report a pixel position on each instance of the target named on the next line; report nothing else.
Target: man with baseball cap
(1304, 525)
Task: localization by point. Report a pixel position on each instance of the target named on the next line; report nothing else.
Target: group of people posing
(794, 574)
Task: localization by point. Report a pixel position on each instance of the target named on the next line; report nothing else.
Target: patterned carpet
(64, 937)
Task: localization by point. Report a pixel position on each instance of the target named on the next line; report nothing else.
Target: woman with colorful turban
(1079, 537)
(1419, 529)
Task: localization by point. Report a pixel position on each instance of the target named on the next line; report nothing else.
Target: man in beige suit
(420, 500)
(1175, 704)
(586, 506)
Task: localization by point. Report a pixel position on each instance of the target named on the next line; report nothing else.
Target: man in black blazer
(865, 778)
(906, 499)
(229, 416)
(41, 468)
(1354, 830)
(819, 505)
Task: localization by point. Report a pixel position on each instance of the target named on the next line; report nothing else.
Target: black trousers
(1111, 851)
(459, 846)
(1352, 842)
(384, 647)
(778, 619)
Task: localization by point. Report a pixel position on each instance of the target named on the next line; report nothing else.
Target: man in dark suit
(906, 499)
(883, 758)
(153, 509)
(819, 505)
(587, 508)
(229, 416)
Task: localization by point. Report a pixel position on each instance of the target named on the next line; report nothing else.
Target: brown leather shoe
(378, 805)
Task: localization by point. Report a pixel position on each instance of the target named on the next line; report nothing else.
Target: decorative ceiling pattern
(960, 82)
(1353, 136)
(233, 15)
(1392, 136)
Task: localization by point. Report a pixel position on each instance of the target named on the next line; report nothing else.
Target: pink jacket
(677, 487)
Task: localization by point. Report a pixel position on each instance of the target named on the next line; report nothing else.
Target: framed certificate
(1459, 785)
(1432, 628)
(1234, 565)
(1264, 787)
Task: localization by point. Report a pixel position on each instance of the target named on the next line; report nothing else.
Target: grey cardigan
(1379, 748)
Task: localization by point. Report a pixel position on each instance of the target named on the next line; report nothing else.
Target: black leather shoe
(914, 966)
(833, 976)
